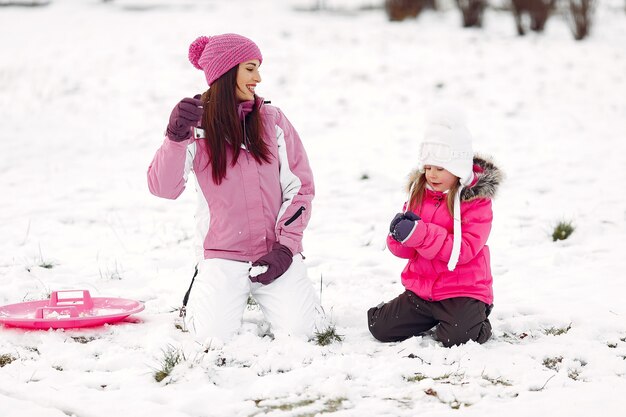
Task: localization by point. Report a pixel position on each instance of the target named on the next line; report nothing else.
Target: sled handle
(87, 302)
(39, 313)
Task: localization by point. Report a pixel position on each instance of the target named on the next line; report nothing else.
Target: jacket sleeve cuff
(177, 143)
(291, 244)
(398, 249)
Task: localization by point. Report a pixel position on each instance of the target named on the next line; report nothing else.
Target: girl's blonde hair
(418, 190)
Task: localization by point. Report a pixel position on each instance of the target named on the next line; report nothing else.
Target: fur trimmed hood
(488, 178)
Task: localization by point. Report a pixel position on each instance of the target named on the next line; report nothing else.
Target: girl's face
(438, 178)
(247, 78)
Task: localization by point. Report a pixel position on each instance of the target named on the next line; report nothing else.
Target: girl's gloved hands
(402, 225)
(184, 116)
(278, 260)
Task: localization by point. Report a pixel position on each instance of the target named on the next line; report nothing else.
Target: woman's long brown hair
(418, 190)
(224, 129)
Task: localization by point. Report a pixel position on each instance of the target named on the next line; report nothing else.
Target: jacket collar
(245, 107)
(487, 180)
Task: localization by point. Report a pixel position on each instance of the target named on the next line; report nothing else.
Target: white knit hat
(448, 144)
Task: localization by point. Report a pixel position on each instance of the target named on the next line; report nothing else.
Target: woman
(255, 189)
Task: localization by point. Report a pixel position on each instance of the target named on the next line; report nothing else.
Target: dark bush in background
(472, 11)
(580, 16)
(538, 11)
(398, 10)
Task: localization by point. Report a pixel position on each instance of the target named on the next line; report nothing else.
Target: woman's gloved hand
(184, 116)
(278, 261)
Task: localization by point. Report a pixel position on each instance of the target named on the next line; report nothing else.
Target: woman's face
(439, 178)
(248, 77)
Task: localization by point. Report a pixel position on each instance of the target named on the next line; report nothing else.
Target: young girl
(443, 234)
(255, 189)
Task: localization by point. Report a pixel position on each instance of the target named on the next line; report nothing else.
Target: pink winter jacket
(429, 246)
(255, 205)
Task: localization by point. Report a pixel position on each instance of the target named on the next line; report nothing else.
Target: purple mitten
(411, 216)
(395, 221)
(278, 260)
(400, 216)
(405, 227)
(185, 115)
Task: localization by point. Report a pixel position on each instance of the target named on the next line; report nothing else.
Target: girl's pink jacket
(255, 205)
(429, 246)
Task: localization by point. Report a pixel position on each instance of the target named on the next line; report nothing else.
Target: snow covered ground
(85, 91)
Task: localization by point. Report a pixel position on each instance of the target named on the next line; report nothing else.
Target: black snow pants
(458, 320)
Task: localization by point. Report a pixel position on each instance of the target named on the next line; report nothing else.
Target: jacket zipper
(295, 216)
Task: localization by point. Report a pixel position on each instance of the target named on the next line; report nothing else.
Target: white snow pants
(220, 292)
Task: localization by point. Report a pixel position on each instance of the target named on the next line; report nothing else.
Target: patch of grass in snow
(446, 377)
(416, 378)
(420, 377)
(497, 381)
(284, 406)
(42, 263)
(171, 358)
(330, 406)
(514, 337)
(6, 359)
(452, 378)
(287, 407)
(251, 303)
(327, 336)
(553, 363)
(563, 230)
(573, 374)
(24, 3)
(83, 339)
(557, 331)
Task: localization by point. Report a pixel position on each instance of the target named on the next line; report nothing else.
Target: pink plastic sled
(65, 313)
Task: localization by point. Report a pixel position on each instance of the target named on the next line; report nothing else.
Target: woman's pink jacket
(255, 205)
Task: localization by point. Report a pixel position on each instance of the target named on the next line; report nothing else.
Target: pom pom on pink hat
(216, 55)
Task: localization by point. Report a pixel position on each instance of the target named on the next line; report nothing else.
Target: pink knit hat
(216, 55)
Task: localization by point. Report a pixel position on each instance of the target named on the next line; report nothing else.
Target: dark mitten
(395, 221)
(411, 216)
(404, 228)
(400, 216)
(278, 260)
(184, 116)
